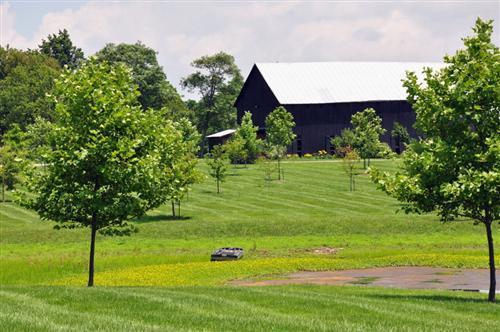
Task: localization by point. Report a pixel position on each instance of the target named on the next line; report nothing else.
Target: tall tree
(26, 77)
(279, 132)
(61, 48)
(156, 91)
(455, 170)
(104, 162)
(367, 128)
(217, 80)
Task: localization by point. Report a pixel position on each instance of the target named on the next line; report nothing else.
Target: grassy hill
(278, 223)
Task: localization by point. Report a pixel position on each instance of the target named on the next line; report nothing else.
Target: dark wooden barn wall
(257, 98)
(316, 123)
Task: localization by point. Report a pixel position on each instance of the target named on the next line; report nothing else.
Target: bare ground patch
(395, 277)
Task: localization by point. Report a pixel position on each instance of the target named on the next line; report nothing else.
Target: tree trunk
(218, 190)
(173, 208)
(92, 251)
(3, 191)
(279, 169)
(179, 208)
(491, 294)
(364, 163)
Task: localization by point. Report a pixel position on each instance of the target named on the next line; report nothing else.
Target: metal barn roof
(222, 133)
(337, 82)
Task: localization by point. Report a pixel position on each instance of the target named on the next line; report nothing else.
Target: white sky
(269, 31)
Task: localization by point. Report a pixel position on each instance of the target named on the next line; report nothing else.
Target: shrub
(385, 151)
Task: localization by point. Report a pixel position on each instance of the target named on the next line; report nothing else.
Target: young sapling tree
(217, 161)
(349, 161)
(279, 133)
(367, 128)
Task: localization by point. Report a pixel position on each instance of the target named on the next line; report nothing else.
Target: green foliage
(36, 141)
(101, 165)
(279, 133)
(455, 170)
(182, 155)
(279, 127)
(61, 48)
(9, 168)
(155, 91)
(25, 79)
(217, 161)
(235, 150)
(13, 158)
(217, 80)
(349, 162)
(268, 167)
(244, 147)
(400, 135)
(343, 141)
(367, 128)
(385, 151)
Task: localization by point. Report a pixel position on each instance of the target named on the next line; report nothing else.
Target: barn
(322, 97)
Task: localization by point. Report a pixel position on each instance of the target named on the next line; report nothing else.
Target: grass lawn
(278, 224)
(298, 308)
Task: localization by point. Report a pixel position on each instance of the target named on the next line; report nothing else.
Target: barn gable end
(256, 97)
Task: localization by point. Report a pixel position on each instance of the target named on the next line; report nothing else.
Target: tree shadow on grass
(430, 297)
(160, 218)
(7, 200)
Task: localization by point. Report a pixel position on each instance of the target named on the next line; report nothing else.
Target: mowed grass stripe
(289, 308)
(391, 308)
(50, 315)
(241, 311)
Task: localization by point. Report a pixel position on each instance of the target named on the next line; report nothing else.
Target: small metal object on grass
(227, 254)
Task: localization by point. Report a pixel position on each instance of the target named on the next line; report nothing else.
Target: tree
(279, 132)
(248, 133)
(400, 135)
(156, 91)
(182, 170)
(13, 158)
(343, 142)
(8, 169)
(104, 163)
(235, 150)
(36, 141)
(367, 128)
(25, 79)
(217, 80)
(349, 161)
(217, 162)
(61, 48)
(455, 170)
